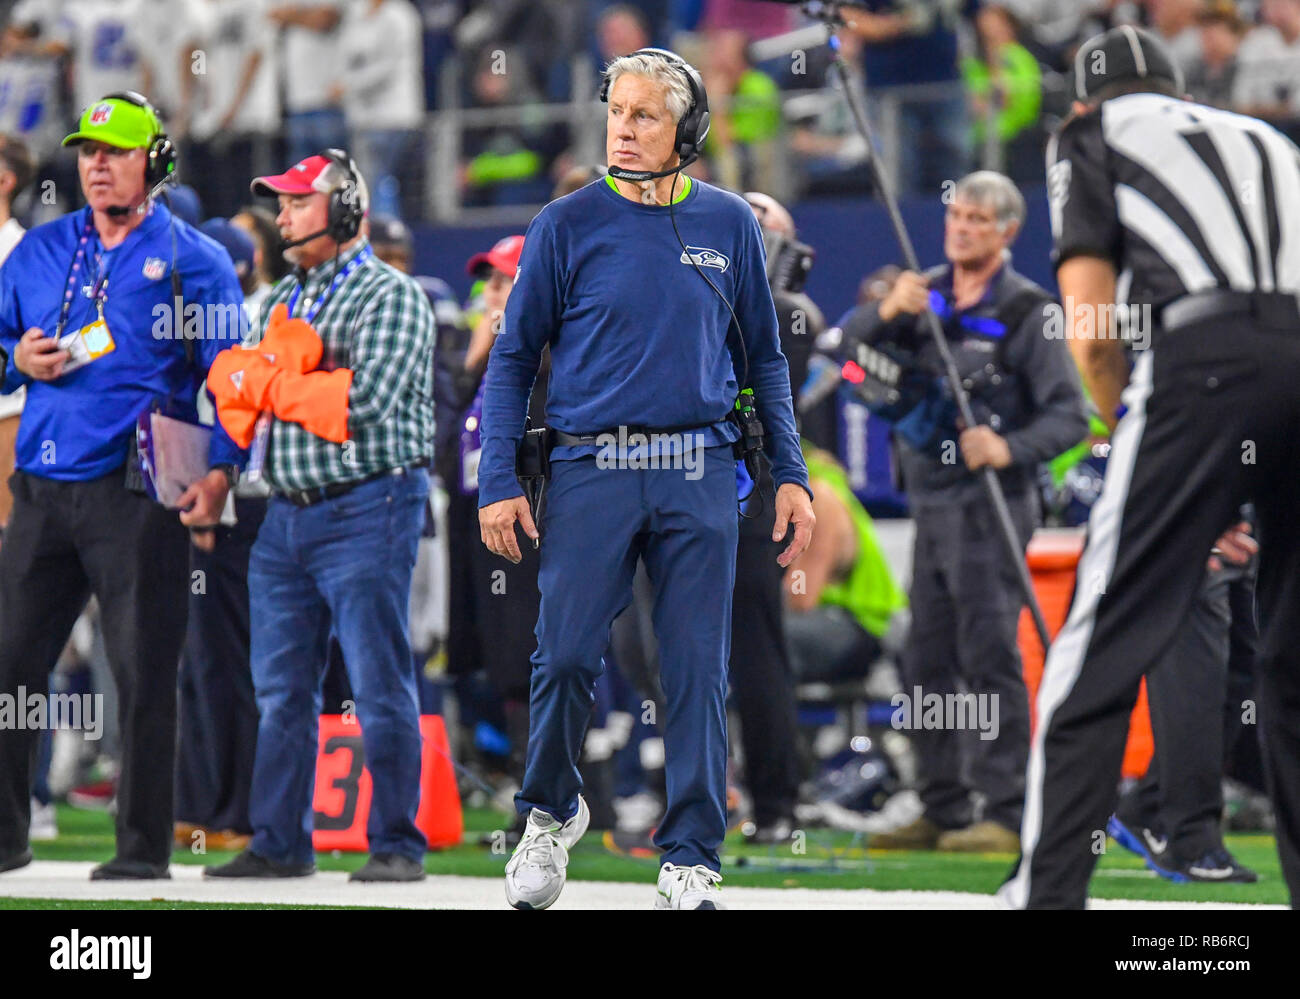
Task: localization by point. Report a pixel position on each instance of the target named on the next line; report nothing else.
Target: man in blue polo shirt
(639, 324)
(88, 323)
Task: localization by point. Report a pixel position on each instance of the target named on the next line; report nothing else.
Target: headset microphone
(618, 173)
(289, 244)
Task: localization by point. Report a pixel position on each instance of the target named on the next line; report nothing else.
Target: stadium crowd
(246, 87)
(977, 83)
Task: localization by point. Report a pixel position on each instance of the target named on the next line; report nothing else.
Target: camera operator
(798, 318)
(965, 597)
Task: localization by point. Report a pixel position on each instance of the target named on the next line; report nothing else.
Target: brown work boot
(982, 837)
(921, 834)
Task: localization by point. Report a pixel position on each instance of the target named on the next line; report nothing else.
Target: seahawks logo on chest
(702, 256)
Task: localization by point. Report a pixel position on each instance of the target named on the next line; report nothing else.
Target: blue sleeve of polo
(769, 372)
(532, 316)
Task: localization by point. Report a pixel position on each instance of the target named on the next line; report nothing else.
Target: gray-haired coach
(640, 340)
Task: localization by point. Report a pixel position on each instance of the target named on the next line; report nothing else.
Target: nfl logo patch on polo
(154, 268)
(101, 114)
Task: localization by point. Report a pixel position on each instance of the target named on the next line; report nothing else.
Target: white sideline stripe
(64, 879)
(1065, 658)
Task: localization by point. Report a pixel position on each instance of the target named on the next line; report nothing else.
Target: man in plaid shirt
(336, 402)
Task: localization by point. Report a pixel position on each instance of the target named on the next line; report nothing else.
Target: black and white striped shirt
(1180, 197)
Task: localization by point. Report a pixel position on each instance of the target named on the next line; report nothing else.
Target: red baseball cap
(504, 256)
(312, 175)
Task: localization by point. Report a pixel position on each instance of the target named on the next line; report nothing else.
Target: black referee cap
(1122, 54)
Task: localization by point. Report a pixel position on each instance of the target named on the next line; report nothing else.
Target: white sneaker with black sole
(535, 872)
(688, 888)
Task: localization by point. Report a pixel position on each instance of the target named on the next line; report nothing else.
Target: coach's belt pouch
(533, 455)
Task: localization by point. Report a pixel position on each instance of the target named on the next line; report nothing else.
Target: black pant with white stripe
(1213, 420)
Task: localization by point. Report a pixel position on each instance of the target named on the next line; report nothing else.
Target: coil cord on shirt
(746, 418)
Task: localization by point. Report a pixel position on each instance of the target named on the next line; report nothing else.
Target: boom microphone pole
(829, 14)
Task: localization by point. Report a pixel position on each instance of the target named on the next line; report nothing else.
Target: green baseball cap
(117, 122)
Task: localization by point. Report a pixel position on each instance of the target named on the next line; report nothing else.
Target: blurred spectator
(1268, 64)
(313, 119)
(168, 35)
(1175, 21)
(1005, 84)
(381, 86)
(494, 603)
(575, 178)
(30, 80)
(183, 202)
(236, 123)
(621, 30)
(507, 165)
(217, 710)
(1004, 76)
(1053, 28)
(842, 598)
(756, 18)
(1211, 77)
(543, 34)
(391, 241)
(827, 147)
(268, 262)
(915, 42)
(741, 149)
(97, 36)
(16, 171)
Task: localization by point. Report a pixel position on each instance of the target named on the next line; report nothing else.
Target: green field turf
(828, 860)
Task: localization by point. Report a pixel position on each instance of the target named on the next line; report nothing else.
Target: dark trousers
(494, 603)
(66, 541)
(218, 708)
(1212, 421)
(596, 523)
(760, 670)
(1181, 795)
(966, 604)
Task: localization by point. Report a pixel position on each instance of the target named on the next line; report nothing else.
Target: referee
(1199, 210)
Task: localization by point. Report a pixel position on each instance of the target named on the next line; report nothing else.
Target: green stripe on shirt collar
(686, 188)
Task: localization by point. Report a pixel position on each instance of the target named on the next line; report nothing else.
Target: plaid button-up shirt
(379, 324)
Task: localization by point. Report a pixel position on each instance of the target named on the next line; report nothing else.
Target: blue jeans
(343, 565)
(382, 155)
(310, 132)
(595, 524)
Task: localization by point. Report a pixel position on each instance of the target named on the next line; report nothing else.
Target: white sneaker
(688, 888)
(45, 823)
(536, 870)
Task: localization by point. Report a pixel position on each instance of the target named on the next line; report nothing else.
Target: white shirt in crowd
(10, 233)
(163, 31)
(382, 58)
(1268, 70)
(238, 30)
(310, 63)
(104, 59)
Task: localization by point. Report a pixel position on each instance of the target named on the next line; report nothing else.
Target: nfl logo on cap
(154, 268)
(101, 114)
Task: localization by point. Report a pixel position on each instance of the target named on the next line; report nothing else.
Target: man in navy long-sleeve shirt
(99, 281)
(638, 341)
